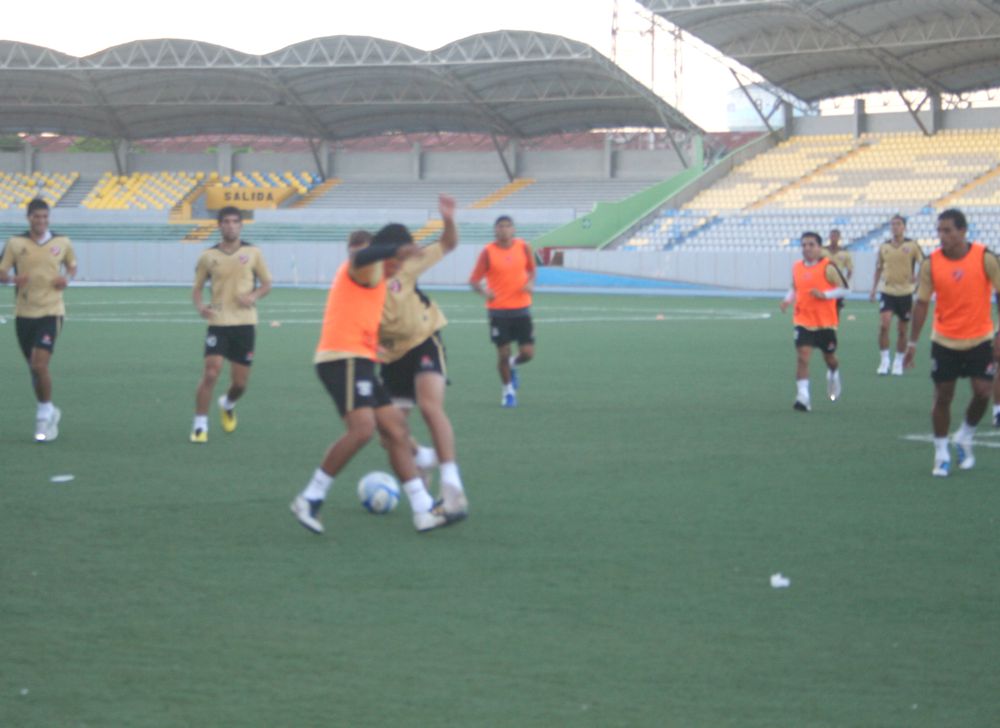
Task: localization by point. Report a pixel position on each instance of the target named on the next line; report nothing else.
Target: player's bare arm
(919, 316)
(249, 300)
(61, 282)
(449, 236)
(878, 277)
(204, 311)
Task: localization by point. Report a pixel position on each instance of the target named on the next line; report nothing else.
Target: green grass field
(614, 571)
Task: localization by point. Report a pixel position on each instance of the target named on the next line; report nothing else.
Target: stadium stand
(821, 182)
(17, 189)
(764, 175)
(141, 190)
(905, 170)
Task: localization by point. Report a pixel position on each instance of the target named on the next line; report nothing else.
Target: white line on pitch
(977, 441)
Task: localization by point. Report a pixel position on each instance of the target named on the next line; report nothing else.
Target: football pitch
(625, 521)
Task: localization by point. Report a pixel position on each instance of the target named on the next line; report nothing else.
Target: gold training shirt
(843, 260)
(232, 275)
(42, 263)
(898, 266)
(409, 317)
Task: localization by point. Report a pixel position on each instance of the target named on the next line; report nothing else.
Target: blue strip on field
(586, 279)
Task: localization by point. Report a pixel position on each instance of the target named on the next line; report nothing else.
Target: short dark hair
(393, 234)
(503, 218)
(230, 210)
(37, 204)
(900, 218)
(358, 238)
(835, 230)
(815, 236)
(956, 216)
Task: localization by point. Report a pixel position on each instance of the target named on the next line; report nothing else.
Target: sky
(254, 26)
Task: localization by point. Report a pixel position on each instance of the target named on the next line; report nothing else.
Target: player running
(239, 279)
(896, 267)
(508, 266)
(414, 367)
(345, 362)
(817, 284)
(965, 277)
(42, 262)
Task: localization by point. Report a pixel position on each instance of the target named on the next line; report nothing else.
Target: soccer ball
(378, 492)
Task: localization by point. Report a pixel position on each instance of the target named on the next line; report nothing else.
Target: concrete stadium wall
(399, 166)
(559, 165)
(159, 162)
(465, 166)
(987, 118)
(314, 264)
(12, 162)
(751, 270)
(651, 165)
(308, 264)
(88, 164)
(274, 162)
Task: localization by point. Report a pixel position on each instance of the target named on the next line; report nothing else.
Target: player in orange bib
(964, 342)
(817, 284)
(508, 265)
(345, 362)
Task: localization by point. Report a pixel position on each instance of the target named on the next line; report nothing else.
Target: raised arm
(449, 236)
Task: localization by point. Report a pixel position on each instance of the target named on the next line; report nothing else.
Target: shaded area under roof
(819, 49)
(515, 84)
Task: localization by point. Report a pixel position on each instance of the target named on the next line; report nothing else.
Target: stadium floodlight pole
(913, 110)
(503, 158)
(753, 103)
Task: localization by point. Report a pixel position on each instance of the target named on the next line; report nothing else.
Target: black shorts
(900, 306)
(401, 375)
(822, 339)
(234, 343)
(38, 333)
(353, 384)
(947, 365)
(505, 329)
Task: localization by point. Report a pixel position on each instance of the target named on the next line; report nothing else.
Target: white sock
(420, 499)
(449, 475)
(996, 410)
(885, 356)
(965, 432)
(225, 403)
(802, 385)
(508, 389)
(941, 448)
(200, 423)
(45, 410)
(512, 361)
(318, 486)
(425, 457)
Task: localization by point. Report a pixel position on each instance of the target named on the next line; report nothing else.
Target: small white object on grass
(64, 478)
(780, 581)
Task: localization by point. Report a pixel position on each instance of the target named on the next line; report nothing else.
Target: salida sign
(246, 198)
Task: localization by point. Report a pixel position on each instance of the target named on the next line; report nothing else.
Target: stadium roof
(818, 49)
(507, 83)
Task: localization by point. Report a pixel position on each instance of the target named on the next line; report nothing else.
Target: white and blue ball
(378, 492)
